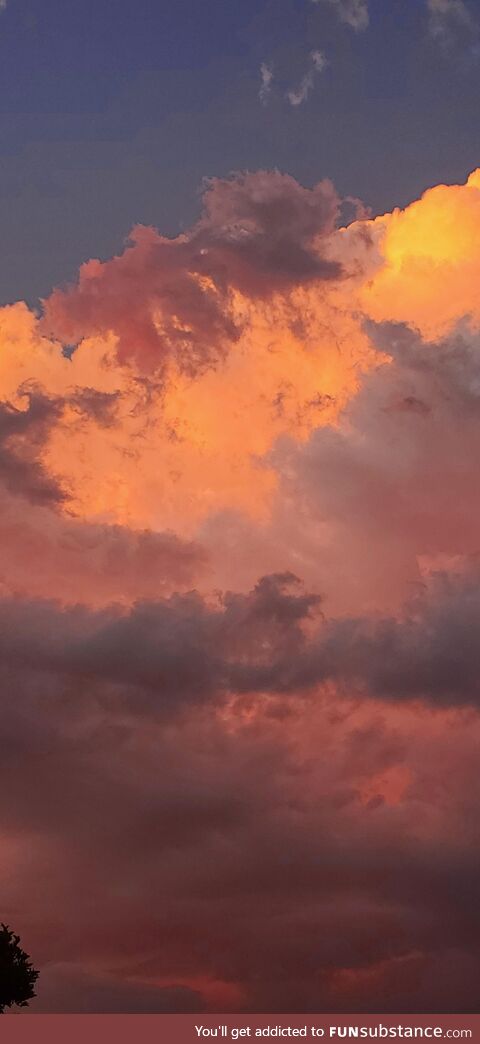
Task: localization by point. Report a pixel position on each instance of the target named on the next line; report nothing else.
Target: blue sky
(112, 112)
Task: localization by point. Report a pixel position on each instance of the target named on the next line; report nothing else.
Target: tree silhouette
(17, 974)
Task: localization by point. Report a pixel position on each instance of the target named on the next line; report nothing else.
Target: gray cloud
(166, 655)
(389, 482)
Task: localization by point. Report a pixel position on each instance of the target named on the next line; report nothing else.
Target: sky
(239, 556)
(112, 112)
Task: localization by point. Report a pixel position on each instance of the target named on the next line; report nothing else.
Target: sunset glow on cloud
(239, 609)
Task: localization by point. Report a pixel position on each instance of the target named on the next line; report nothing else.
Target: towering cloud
(239, 611)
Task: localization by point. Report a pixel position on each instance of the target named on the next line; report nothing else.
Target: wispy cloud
(353, 12)
(297, 95)
(266, 78)
(448, 18)
(3, 4)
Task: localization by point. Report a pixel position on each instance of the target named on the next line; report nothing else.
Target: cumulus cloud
(352, 12)
(264, 229)
(173, 298)
(235, 790)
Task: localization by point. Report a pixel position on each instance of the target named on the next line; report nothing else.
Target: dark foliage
(17, 974)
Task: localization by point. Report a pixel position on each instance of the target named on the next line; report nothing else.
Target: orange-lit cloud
(289, 764)
(431, 261)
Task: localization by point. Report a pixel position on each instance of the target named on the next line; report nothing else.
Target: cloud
(427, 653)
(72, 989)
(353, 12)
(23, 432)
(390, 478)
(49, 555)
(428, 243)
(176, 314)
(234, 791)
(448, 19)
(298, 95)
(264, 230)
(266, 77)
(164, 655)
(172, 299)
(110, 471)
(254, 867)
(179, 649)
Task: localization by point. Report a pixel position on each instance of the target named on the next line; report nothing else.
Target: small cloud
(297, 95)
(3, 4)
(319, 60)
(353, 12)
(266, 77)
(448, 19)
